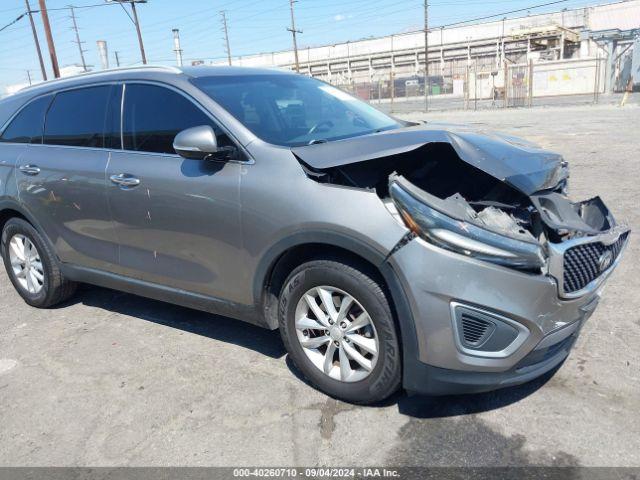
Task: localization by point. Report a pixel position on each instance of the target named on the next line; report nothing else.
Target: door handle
(125, 180)
(30, 169)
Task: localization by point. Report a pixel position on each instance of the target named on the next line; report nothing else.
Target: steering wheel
(317, 126)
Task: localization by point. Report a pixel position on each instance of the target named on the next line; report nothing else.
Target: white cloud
(339, 17)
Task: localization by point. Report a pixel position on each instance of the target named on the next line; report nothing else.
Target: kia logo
(605, 260)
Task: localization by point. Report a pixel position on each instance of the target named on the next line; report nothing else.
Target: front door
(176, 220)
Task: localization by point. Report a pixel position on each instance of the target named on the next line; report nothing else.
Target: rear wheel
(32, 266)
(338, 328)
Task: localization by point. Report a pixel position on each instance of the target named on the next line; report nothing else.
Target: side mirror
(199, 143)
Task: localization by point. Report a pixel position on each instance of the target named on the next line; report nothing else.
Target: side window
(27, 126)
(154, 115)
(77, 117)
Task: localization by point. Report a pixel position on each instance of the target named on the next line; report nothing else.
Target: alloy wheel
(26, 264)
(336, 333)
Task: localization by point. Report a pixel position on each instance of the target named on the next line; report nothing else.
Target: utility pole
(29, 77)
(117, 58)
(223, 16)
(426, 55)
(51, 45)
(35, 39)
(75, 28)
(135, 22)
(176, 46)
(293, 33)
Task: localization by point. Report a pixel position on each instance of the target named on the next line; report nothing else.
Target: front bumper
(433, 279)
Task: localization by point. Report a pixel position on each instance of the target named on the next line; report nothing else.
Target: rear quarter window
(28, 124)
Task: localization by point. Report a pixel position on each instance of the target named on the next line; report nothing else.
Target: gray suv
(432, 257)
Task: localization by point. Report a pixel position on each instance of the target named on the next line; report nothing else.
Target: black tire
(362, 284)
(56, 288)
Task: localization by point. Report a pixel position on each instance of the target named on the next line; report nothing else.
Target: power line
(486, 17)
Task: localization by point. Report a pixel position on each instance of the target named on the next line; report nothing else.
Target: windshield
(292, 110)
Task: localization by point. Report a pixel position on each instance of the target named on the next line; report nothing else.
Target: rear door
(25, 128)
(177, 221)
(61, 182)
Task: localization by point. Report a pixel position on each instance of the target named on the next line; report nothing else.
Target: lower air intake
(483, 333)
(475, 330)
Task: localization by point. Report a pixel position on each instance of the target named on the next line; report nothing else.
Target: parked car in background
(433, 257)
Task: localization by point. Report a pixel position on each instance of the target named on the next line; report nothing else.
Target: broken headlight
(463, 237)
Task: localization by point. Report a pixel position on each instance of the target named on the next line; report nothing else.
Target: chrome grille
(582, 262)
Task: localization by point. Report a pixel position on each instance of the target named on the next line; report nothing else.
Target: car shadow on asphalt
(269, 343)
(423, 406)
(216, 327)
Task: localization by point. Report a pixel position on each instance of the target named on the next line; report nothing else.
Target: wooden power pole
(35, 39)
(50, 44)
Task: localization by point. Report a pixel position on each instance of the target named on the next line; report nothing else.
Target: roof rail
(166, 68)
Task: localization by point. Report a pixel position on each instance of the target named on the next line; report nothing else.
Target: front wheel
(337, 325)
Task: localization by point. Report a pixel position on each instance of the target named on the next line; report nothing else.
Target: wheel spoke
(17, 247)
(39, 277)
(22, 273)
(367, 344)
(327, 301)
(30, 286)
(345, 367)
(306, 322)
(314, 342)
(355, 355)
(328, 358)
(317, 311)
(345, 306)
(360, 321)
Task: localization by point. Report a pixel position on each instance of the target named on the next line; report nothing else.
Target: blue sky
(254, 25)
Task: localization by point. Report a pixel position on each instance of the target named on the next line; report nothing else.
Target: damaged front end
(493, 198)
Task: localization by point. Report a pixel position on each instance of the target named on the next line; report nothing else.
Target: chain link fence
(482, 83)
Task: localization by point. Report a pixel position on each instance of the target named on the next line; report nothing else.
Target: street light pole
(135, 21)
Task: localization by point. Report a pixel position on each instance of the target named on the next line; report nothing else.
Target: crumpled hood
(517, 162)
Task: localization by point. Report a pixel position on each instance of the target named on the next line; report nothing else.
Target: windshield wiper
(315, 141)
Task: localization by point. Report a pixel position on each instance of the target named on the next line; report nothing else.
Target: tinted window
(154, 115)
(77, 118)
(28, 124)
